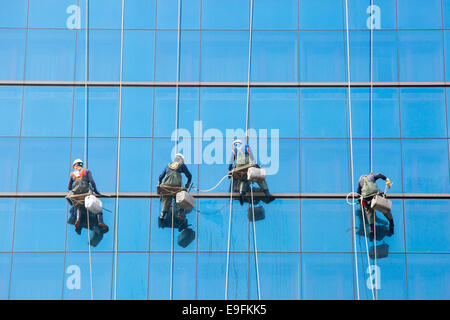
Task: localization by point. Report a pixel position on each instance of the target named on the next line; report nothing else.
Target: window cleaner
(372, 199)
(241, 162)
(81, 183)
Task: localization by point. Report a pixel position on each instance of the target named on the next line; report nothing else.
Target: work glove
(388, 183)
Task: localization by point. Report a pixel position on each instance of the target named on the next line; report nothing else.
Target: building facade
(325, 91)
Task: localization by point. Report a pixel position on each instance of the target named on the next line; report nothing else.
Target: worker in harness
(240, 156)
(81, 181)
(367, 188)
(171, 177)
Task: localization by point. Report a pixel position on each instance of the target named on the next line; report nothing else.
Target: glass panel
(232, 14)
(421, 55)
(165, 112)
(326, 217)
(5, 268)
(33, 177)
(134, 223)
(387, 277)
(132, 276)
(318, 174)
(14, 14)
(280, 276)
(135, 165)
(359, 14)
(431, 220)
(240, 276)
(159, 276)
(422, 110)
(37, 276)
(77, 269)
(10, 109)
(446, 11)
(190, 14)
(137, 112)
(275, 14)
(190, 56)
(12, 54)
(184, 276)
(224, 54)
(211, 275)
(6, 226)
(327, 276)
(322, 55)
(447, 50)
(416, 14)
(106, 14)
(274, 56)
(50, 13)
(275, 108)
(167, 14)
(428, 276)
(9, 153)
(138, 55)
(425, 165)
(139, 14)
(40, 225)
(166, 56)
(325, 14)
(188, 110)
(47, 105)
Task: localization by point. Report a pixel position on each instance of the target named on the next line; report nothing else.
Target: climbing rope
(254, 243)
(116, 221)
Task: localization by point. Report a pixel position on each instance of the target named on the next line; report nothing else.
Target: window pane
(190, 14)
(323, 113)
(447, 49)
(106, 14)
(47, 105)
(359, 14)
(14, 14)
(421, 55)
(275, 109)
(327, 276)
(166, 55)
(431, 220)
(137, 111)
(224, 55)
(325, 14)
(37, 276)
(422, 110)
(167, 14)
(10, 109)
(416, 14)
(184, 276)
(428, 276)
(5, 268)
(322, 56)
(6, 226)
(318, 174)
(190, 56)
(211, 275)
(9, 153)
(12, 54)
(165, 112)
(139, 14)
(274, 56)
(135, 164)
(275, 14)
(32, 175)
(446, 10)
(232, 14)
(50, 13)
(425, 165)
(132, 276)
(240, 275)
(138, 55)
(102, 275)
(331, 217)
(134, 219)
(159, 277)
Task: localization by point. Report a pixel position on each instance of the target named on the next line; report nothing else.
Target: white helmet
(237, 141)
(77, 161)
(179, 158)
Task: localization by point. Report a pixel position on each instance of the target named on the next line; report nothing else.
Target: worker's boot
(241, 197)
(269, 197)
(161, 219)
(77, 227)
(104, 227)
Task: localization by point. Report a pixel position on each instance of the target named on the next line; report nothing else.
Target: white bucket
(93, 204)
(185, 200)
(381, 204)
(256, 174)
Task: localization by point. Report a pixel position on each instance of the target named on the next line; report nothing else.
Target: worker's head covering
(237, 143)
(77, 162)
(179, 158)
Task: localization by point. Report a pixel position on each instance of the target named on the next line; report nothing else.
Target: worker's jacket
(80, 181)
(241, 156)
(172, 175)
(367, 184)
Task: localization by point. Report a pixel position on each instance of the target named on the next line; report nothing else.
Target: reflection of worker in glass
(241, 156)
(367, 188)
(172, 178)
(81, 181)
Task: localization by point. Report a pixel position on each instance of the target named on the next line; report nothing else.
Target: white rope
(351, 146)
(176, 142)
(116, 226)
(86, 75)
(229, 234)
(254, 244)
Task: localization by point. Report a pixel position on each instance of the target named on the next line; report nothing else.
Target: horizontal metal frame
(223, 84)
(224, 195)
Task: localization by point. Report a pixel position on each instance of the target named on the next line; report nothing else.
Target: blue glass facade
(218, 66)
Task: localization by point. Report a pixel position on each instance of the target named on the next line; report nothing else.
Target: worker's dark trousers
(370, 213)
(165, 202)
(99, 215)
(262, 185)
